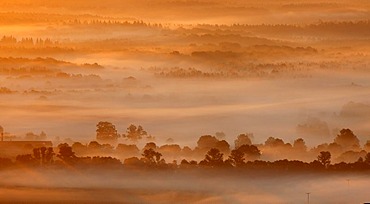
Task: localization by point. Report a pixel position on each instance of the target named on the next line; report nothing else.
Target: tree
(274, 142)
(324, 158)
(66, 154)
(207, 142)
(223, 146)
(243, 139)
(347, 139)
(214, 158)
(49, 154)
(79, 148)
(250, 152)
(150, 145)
(236, 158)
(106, 132)
(170, 150)
(151, 157)
(94, 145)
(135, 134)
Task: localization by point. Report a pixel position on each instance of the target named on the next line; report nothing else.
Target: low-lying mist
(201, 186)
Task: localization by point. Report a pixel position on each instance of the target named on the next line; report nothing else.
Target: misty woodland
(185, 101)
(343, 154)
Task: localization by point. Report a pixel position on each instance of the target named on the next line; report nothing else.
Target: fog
(182, 69)
(182, 187)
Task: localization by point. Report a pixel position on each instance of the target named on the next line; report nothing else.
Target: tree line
(210, 152)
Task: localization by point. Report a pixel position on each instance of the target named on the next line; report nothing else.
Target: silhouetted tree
(66, 154)
(106, 132)
(94, 145)
(79, 148)
(274, 142)
(150, 145)
(347, 139)
(170, 151)
(324, 158)
(223, 146)
(207, 142)
(250, 152)
(214, 158)
(151, 157)
(49, 154)
(236, 158)
(135, 134)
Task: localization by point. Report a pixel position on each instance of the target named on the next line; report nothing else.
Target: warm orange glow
(97, 96)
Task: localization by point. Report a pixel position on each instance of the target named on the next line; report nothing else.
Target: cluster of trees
(152, 159)
(41, 156)
(345, 147)
(210, 152)
(26, 42)
(107, 132)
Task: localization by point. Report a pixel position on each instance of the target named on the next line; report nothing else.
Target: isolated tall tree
(106, 132)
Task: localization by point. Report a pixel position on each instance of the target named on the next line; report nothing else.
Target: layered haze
(183, 69)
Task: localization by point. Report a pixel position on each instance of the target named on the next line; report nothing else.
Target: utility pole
(308, 198)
